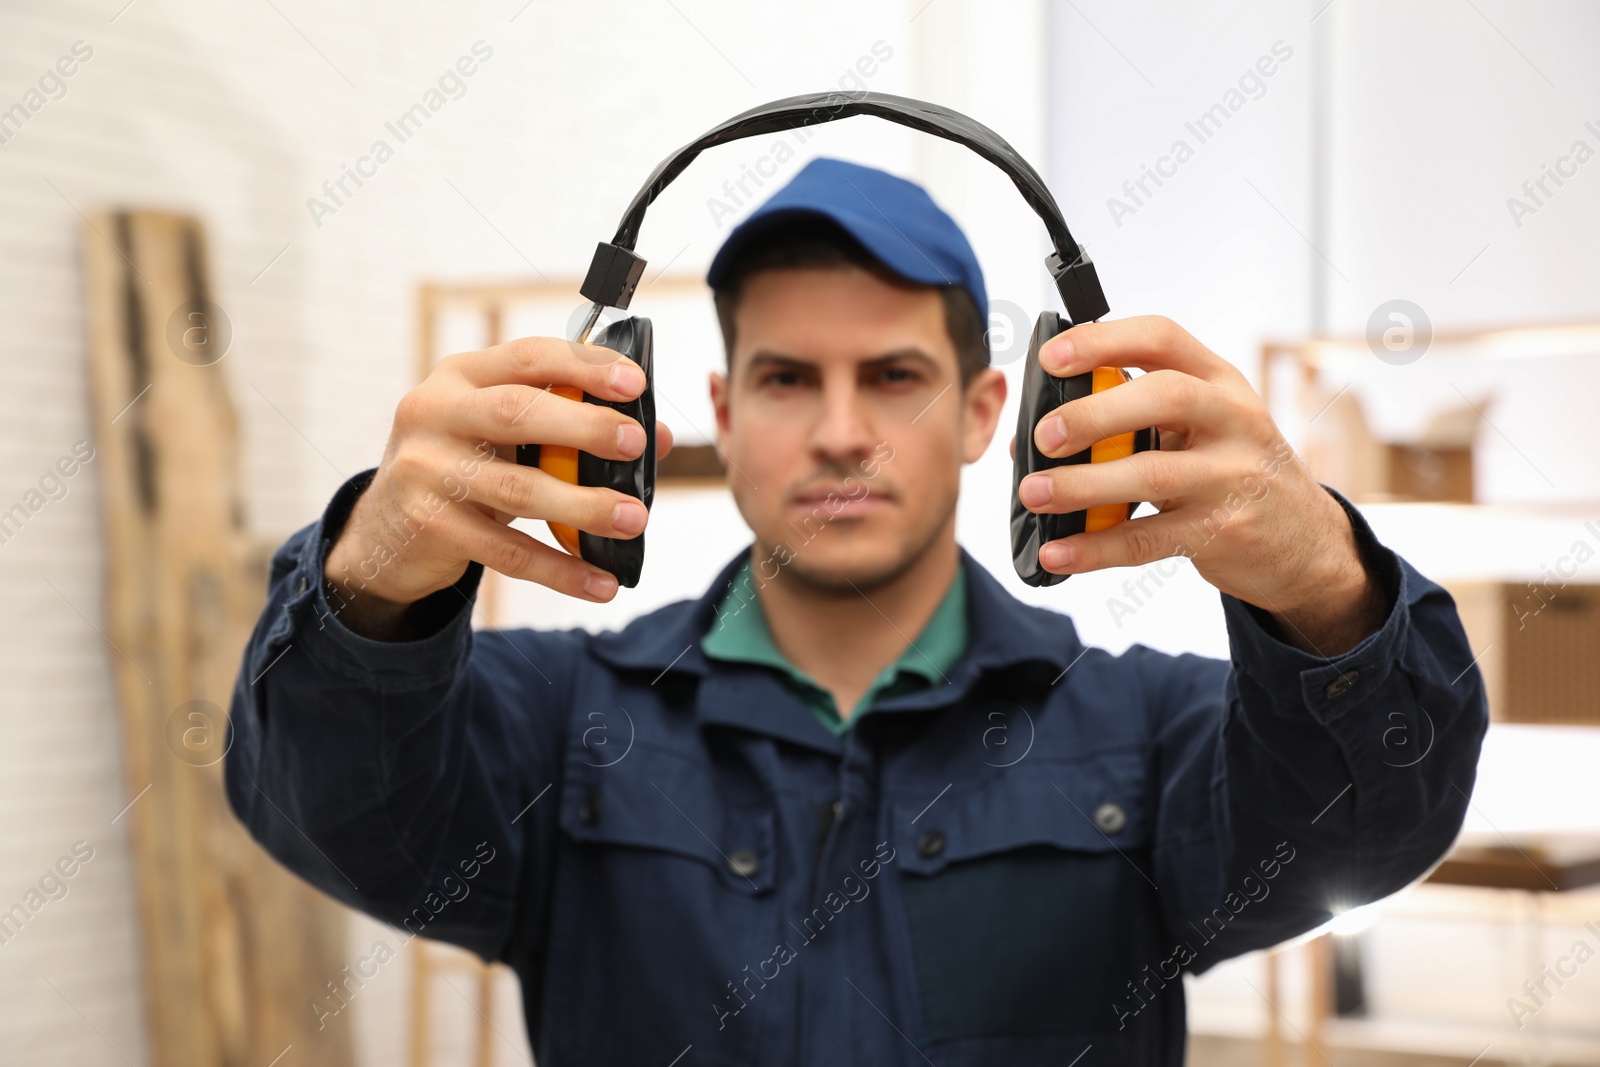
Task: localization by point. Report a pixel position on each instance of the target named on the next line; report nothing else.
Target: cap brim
(874, 232)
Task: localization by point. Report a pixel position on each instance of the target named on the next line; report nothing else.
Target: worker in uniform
(856, 802)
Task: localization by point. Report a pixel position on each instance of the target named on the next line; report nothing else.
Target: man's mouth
(841, 501)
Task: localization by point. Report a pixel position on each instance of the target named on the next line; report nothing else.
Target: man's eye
(898, 374)
(789, 378)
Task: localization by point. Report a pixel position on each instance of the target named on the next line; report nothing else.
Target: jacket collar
(1003, 631)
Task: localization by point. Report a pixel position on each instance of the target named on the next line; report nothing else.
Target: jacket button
(1341, 685)
(743, 862)
(1110, 818)
(589, 809)
(930, 844)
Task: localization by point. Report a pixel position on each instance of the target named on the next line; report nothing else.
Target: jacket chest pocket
(668, 806)
(1027, 898)
(664, 898)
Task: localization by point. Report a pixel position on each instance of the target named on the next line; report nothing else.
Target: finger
(552, 361)
(535, 494)
(663, 439)
(1013, 446)
(517, 555)
(1156, 477)
(1151, 342)
(521, 414)
(1160, 398)
(1128, 544)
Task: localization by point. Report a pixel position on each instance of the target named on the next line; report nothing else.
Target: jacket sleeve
(411, 780)
(1293, 786)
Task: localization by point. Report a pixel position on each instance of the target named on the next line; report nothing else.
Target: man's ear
(985, 397)
(719, 404)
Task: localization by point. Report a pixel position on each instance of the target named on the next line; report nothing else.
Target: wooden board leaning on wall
(235, 949)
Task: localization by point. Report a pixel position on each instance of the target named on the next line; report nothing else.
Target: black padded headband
(616, 269)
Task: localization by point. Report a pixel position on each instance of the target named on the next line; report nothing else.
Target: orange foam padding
(1105, 516)
(561, 461)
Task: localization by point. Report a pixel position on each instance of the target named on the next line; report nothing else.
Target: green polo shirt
(739, 632)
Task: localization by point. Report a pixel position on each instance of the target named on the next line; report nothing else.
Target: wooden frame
(686, 466)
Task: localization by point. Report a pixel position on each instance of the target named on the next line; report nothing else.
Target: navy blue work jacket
(1015, 866)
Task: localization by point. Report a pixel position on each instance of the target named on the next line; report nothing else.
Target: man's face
(845, 425)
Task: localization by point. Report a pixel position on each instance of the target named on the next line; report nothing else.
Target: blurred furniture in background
(1531, 867)
(1546, 864)
(1433, 463)
(1529, 613)
(1511, 536)
(435, 963)
(1463, 416)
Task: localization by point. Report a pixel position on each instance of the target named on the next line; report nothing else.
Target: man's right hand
(449, 483)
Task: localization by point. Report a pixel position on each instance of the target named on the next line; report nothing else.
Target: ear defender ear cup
(623, 557)
(1042, 393)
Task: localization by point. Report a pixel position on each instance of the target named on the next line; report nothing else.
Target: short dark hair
(813, 242)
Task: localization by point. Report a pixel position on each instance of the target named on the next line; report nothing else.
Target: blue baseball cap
(894, 219)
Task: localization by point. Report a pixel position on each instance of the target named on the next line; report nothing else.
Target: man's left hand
(1230, 492)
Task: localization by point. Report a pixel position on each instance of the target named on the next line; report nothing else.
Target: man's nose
(844, 424)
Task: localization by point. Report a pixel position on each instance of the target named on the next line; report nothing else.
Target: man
(856, 803)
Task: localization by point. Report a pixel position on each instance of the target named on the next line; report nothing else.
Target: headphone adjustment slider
(614, 273)
(1079, 286)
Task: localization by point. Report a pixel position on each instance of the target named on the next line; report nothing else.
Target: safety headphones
(615, 271)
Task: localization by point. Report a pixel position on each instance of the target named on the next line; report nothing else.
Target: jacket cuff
(1328, 687)
(443, 619)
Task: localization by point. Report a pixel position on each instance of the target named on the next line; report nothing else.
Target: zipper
(830, 821)
(830, 816)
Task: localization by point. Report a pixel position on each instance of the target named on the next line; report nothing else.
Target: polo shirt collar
(741, 632)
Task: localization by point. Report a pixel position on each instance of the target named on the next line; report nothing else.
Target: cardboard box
(1538, 646)
(1434, 467)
